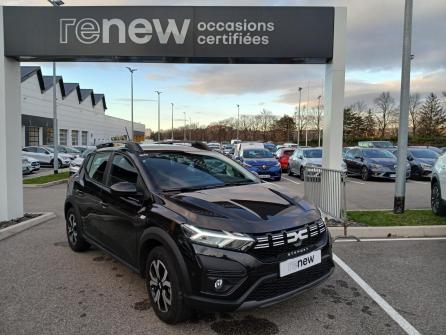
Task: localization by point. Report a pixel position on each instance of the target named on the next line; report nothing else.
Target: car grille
(35, 163)
(274, 287)
(277, 246)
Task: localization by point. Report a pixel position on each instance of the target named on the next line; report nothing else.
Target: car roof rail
(194, 144)
(105, 145)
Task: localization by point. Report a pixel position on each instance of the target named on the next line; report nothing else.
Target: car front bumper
(272, 172)
(253, 283)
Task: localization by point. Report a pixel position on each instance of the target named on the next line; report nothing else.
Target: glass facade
(63, 134)
(75, 137)
(33, 136)
(84, 137)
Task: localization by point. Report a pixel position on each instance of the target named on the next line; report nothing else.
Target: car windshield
(270, 147)
(69, 150)
(382, 144)
(424, 154)
(257, 153)
(313, 153)
(184, 171)
(50, 149)
(288, 152)
(371, 153)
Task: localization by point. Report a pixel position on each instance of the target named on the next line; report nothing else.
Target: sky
(209, 93)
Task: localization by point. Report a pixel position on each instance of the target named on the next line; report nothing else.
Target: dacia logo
(264, 167)
(297, 235)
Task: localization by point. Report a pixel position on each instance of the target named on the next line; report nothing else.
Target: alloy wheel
(435, 198)
(72, 228)
(160, 286)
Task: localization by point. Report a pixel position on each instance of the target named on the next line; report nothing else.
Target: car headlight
(376, 166)
(322, 216)
(218, 238)
(425, 166)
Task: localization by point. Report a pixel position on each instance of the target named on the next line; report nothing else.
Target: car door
(89, 196)
(357, 161)
(44, 155)
(442, 175)
(123, 212)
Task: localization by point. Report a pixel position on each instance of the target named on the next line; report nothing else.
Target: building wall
(72, 115)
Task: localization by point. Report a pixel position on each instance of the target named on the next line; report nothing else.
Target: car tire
(290, 172)
(302, 173)
(59, 165)
(365, 173)
(437, 203)
(164, 288)
(74, 234)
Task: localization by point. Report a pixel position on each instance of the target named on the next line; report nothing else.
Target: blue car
(261, 161)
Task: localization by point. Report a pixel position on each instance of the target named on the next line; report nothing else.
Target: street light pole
(159, 115)
(172, 120)
(238, 119)
(307, 113)
(55, 3)
(400, 183)
(318, 121)
(190, 128)
(298, 124)
(184, 131)
(131, 102)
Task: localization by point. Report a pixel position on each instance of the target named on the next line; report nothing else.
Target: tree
(283, 129)
(386, 111)
(353, 125)
(432, 117)
(369, 124)
(414, 104)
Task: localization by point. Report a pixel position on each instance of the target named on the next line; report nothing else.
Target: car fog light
(218, 284)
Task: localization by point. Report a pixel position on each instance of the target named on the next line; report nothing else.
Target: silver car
(438, 186)
(26, 166)
(35, 165)
(76, 164)
(303, 158)
(45, 155)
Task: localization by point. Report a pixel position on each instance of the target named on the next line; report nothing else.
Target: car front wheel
(365, 173)
(437, 204)
(302, 173)
(163, 286)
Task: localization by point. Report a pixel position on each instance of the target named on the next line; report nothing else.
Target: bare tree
(414, 104)
(386, 111)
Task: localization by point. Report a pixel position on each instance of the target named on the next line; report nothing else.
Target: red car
(283, 154)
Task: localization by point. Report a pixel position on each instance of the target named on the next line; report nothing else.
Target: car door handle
(103, 204)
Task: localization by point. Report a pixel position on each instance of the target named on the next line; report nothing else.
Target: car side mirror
(237, 158)
(124, 189)
(410, 159)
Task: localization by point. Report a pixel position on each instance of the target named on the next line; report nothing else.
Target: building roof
(46, 82)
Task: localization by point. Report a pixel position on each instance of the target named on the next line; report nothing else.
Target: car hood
(383, 161)
(430, 161)
(256, 208)
(77, 161)
(64, 156)
(315, 161)
(263, 161)
(30, 159)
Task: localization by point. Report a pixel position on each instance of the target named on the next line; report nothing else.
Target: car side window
(96, 166)
(41, 151)
(122, 170)
(30, 149)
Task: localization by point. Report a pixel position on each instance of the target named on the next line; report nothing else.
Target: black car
(203, 231)
(421, 162)
(372, 163)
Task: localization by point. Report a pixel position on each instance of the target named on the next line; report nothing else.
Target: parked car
(421, 162)
(45, 155)
(82, 148)
(376, 144)
(26, 166)
(283, 154)
(245, 145)
(214, 145)
(372, 163)
(290, 145)
(227, 148)
(67, 151)
(438, 186)
(429, 147)
(212, 238)
(262, 162)
(76, 163)
(303, 158)
(270, 146)
(35, 165)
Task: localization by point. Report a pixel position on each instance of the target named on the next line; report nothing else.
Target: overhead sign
(171, 34)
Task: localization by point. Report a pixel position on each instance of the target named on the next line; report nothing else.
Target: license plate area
(297, 264)
(265, 176)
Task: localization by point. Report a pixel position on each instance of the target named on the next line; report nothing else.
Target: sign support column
(11, 188)
(334, 95)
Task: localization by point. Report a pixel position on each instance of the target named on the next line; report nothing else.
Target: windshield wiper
(240, 183)
(192, 189)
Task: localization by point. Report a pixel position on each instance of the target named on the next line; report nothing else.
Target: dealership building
(80, 113)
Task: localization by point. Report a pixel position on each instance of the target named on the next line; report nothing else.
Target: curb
(393, 231)
(19, 227)
(51, 183)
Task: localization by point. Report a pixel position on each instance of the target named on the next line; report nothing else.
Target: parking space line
(403, 323)
(355, 182)
(394, 239)
(295, 182)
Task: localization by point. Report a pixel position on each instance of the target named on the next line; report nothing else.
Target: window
(63, 134)
(122, 170)
(30, 149)
(42, 151)
(84, 138)
(97, 166)
(49, 136)
(33, 136)
(75, 137)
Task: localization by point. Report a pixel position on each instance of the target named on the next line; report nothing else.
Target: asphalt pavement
(48, 289)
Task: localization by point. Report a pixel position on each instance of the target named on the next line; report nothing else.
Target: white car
(45, 155)
(26, 166)
(438, 186)
(35, 165)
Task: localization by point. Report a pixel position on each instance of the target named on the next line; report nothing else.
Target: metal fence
(326, 189)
